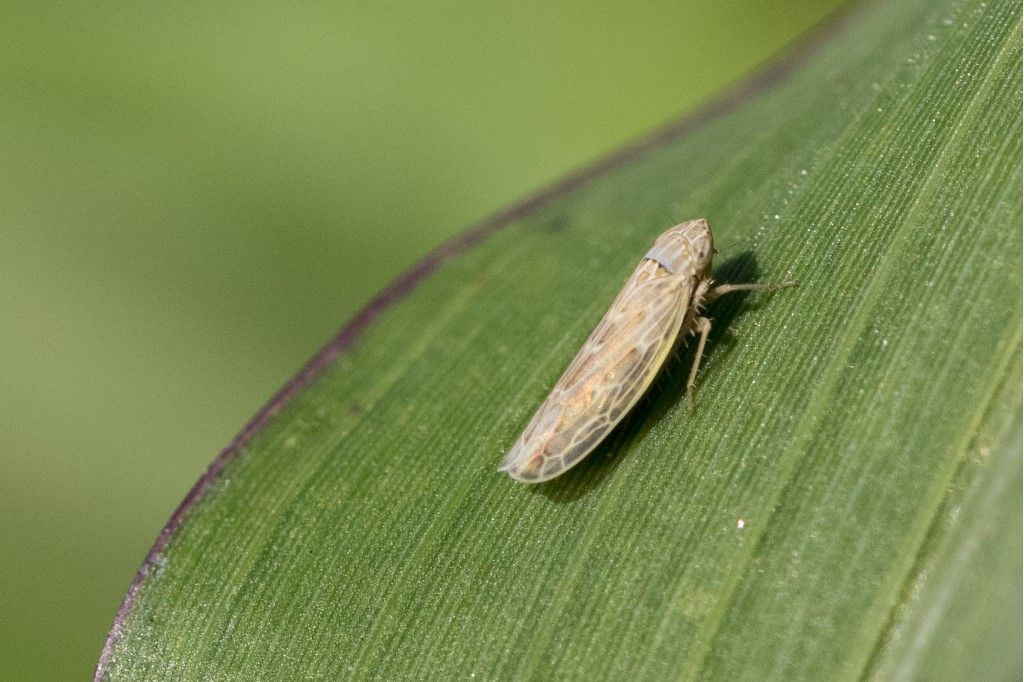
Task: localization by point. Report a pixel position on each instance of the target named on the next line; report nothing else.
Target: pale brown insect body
(660, 303)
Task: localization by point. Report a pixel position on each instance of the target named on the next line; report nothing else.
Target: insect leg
(703, 327)
(723, 289)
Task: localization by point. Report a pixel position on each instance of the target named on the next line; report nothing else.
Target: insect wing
(608, 376)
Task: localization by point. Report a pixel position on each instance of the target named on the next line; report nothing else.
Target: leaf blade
(362, 531)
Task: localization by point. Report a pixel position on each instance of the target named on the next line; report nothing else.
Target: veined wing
(609, 375)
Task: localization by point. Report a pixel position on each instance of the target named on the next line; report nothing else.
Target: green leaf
(865, 427)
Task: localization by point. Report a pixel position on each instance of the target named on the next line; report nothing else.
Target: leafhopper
(660, 304)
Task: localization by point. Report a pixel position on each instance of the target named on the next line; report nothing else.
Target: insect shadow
(668, 391)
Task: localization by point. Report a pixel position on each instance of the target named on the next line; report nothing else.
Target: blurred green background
(195, 198)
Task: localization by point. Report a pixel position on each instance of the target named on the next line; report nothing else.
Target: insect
(660, 304)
